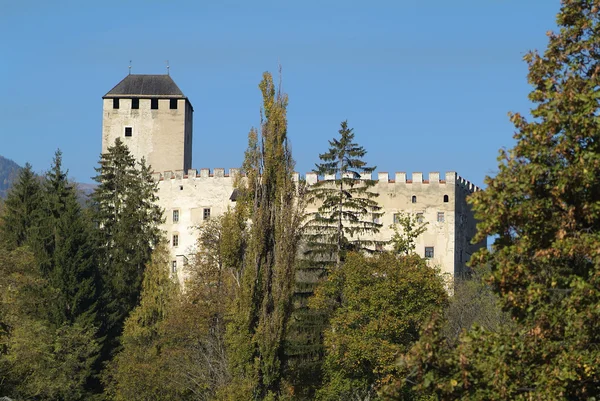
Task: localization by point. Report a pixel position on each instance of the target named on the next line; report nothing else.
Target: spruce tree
(127, 218)
(347, 208)
(256, 334)
(20, 208)
(64, 249)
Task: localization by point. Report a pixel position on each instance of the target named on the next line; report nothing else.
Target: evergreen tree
(256, 334)
(20, 208)
(140, 371)
(127, 219)
(543, 207)
(64, 249)
(347, 208)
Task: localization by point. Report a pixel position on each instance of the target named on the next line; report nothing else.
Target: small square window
(154, 104)
(128, 131)
(397, 217)
(175, 216)
(376, 218)
(116, 103)
(428, 252)
(420, 218)
(206, 214)
(135, 103)
(440, 217)
(175, 240)
(174, 266)
(173, 104)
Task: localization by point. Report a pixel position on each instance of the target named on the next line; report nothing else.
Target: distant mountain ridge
(9, 170)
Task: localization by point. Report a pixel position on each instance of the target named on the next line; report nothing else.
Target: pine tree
(127, 219)
(256, 335)
(20, 208)
(347, 209)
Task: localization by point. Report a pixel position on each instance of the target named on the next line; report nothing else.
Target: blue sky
(427, 85)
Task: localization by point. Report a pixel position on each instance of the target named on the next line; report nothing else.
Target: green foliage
(407, 229)
(543, 206)
(127, 219)
(347, 208)
(140, 371)
(20, 207)
(62, 243)
(256, 333)
(384, 301)
(37, 358)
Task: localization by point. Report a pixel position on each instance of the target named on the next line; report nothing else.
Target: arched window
(414, 199)
(445, 198)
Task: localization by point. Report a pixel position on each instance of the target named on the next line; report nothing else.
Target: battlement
(401, 178)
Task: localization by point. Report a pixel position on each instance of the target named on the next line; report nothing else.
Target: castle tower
(153, 118)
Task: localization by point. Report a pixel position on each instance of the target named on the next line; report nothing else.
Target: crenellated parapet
(194, 174)
(401, 178)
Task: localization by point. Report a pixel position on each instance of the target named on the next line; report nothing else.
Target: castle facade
(154, 119)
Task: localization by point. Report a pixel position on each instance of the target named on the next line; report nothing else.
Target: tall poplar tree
(256, 334)
(127, 219)
(347, 208)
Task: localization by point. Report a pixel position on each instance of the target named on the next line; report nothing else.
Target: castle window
(376, 218)
(175, 240)
(173, 104)
(414, 199)
(440, 217)
(135, 103)
(445, 198)
(420, 218)
(397, 217)
(116, 103)
(174, 267)
(206, 214)
(175, 216)
(154, 104)
(428, 252)
(128, 131)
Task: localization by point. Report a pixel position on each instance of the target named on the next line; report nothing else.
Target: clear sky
(426, 84)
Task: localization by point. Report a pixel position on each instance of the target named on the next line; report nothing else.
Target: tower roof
(142, 85)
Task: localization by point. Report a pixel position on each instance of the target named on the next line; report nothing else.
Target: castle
(154, 119)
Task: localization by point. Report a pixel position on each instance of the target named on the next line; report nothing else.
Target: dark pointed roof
(140, 85)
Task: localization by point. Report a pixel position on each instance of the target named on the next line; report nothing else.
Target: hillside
(8, 172)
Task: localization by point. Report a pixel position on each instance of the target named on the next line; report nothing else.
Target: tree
(407, 229)
(20, 208)
(127, 219)
(140, 371)
(385, 299)
(347, 209)
(259, 317)
(64, 249)
(545, 266)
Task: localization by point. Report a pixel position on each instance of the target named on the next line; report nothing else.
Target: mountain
(9, 170)
(8, 173)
